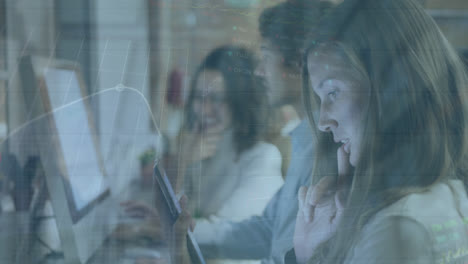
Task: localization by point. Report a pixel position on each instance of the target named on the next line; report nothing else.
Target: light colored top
(268, 236)
(419, 228)
(234, 188)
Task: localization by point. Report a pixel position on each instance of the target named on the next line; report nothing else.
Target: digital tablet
(174, 209)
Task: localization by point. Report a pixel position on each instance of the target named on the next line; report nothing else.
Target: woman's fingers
(181, 228)
(305, 210)
(183, 222)
(340, 200)
(135, 214)
(323, 187)
(183, 201)
(212, 135)
(201, 143)
(344, 173)
(207, 152)
(132, 205)
(343, 164)
(138, 209)
(209, 145)
(307, 207)
(339, 207)
(211, 141)
(309, 198)
(193, 224)
(301, 196)
(185, 219)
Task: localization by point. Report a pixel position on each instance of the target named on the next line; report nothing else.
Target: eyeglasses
(216, 99)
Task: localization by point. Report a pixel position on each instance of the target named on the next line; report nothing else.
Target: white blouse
(228, 187)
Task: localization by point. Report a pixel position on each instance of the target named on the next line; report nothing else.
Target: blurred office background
(147, 45)
(140, 43)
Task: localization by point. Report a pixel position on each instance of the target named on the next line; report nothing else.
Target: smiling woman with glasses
(225, 92)
(223, 166)
(226, 170)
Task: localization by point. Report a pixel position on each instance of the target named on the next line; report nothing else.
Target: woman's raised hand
(320, 210)
(178, 249)
(140, 210)
(200, 144)
(181, 227)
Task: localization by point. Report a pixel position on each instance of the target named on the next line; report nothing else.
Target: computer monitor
(88, 165)
(79, 189)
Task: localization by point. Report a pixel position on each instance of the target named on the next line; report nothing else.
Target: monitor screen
(83, 175)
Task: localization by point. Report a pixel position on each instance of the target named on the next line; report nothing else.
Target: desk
(114, 250)
(14, 231)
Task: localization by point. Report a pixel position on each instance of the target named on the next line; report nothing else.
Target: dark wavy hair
(286, 25)
(245, 92)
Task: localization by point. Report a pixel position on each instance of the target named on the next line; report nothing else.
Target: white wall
(30, 30)
(119, 55)
(122, 59)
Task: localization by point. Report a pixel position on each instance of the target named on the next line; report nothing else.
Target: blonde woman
(393, 106)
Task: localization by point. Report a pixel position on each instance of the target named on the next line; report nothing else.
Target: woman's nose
(326, 123)
(208, 107)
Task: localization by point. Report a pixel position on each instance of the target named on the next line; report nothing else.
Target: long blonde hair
(416, 127)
